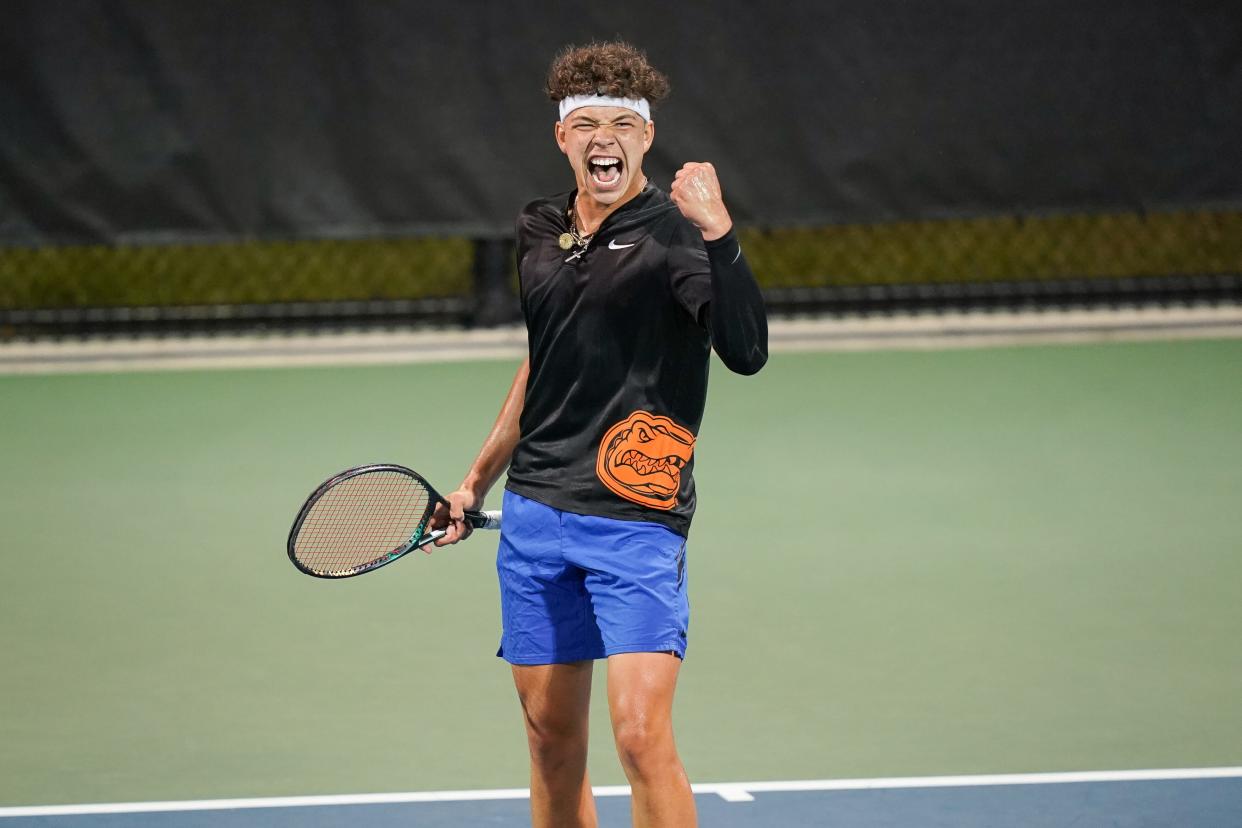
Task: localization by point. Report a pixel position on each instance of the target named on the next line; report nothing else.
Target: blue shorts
(575, 587)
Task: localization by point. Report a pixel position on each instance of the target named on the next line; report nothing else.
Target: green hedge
(234, 273)
(999, 249)
(986, 249)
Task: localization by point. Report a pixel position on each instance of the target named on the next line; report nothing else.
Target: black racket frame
(475, 519)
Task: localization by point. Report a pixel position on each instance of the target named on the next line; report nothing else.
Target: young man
(625, 290)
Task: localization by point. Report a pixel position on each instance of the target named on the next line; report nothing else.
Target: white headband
(573, 102)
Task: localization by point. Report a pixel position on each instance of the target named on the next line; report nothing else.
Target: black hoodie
(619, 337)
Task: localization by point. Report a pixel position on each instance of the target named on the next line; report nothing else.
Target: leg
(640, 702)
(549, 639)
(555, 700)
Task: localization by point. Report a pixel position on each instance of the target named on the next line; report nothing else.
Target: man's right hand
(452, 518)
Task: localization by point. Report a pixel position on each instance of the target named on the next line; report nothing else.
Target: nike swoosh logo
(612, 245)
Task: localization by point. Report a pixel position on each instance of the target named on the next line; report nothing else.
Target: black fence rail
(1151, 291)
(450, 311)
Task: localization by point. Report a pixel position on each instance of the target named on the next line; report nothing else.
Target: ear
(560, 137)
(648, 136)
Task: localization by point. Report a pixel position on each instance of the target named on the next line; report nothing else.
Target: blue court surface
(1189, 798)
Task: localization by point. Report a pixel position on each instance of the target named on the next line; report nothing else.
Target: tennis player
(625, 290)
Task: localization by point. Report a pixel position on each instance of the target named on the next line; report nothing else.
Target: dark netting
(1005, 261)
(881, 155)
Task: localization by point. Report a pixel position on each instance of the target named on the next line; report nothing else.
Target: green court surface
(904, 563)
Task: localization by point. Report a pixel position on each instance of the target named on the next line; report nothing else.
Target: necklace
(580, 240)
(573, 238)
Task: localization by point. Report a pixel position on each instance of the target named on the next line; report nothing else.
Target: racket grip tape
(484, 520)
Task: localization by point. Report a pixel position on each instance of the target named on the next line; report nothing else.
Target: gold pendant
(566, 241)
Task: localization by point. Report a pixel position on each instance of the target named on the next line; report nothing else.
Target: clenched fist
(696, 192)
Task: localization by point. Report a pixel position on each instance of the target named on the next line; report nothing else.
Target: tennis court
(906, 564)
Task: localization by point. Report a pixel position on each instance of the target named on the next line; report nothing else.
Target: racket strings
(362, 520)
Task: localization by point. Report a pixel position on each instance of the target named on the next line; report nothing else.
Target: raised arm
(486, 469)
(735, 315)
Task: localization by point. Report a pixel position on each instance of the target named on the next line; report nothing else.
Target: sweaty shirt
(620, 338)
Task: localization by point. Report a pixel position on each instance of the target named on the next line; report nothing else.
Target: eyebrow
(582, 119)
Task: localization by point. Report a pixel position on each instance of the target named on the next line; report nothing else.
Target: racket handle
(484, 520)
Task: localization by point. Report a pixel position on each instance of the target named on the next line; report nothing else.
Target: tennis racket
(366, 517)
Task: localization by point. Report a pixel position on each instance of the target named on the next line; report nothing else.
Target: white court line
(729, 791)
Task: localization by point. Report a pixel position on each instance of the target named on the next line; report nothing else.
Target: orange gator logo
(641, 458)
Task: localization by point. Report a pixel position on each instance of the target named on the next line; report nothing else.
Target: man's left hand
(696, 192)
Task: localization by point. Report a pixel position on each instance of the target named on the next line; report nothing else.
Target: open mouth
(605, 170)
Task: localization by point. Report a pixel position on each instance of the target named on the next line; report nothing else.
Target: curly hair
(615, 69)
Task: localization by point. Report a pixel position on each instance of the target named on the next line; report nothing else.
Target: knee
(641, 745)
(555, 740)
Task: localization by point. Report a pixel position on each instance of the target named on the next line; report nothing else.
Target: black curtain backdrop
(138, 122)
